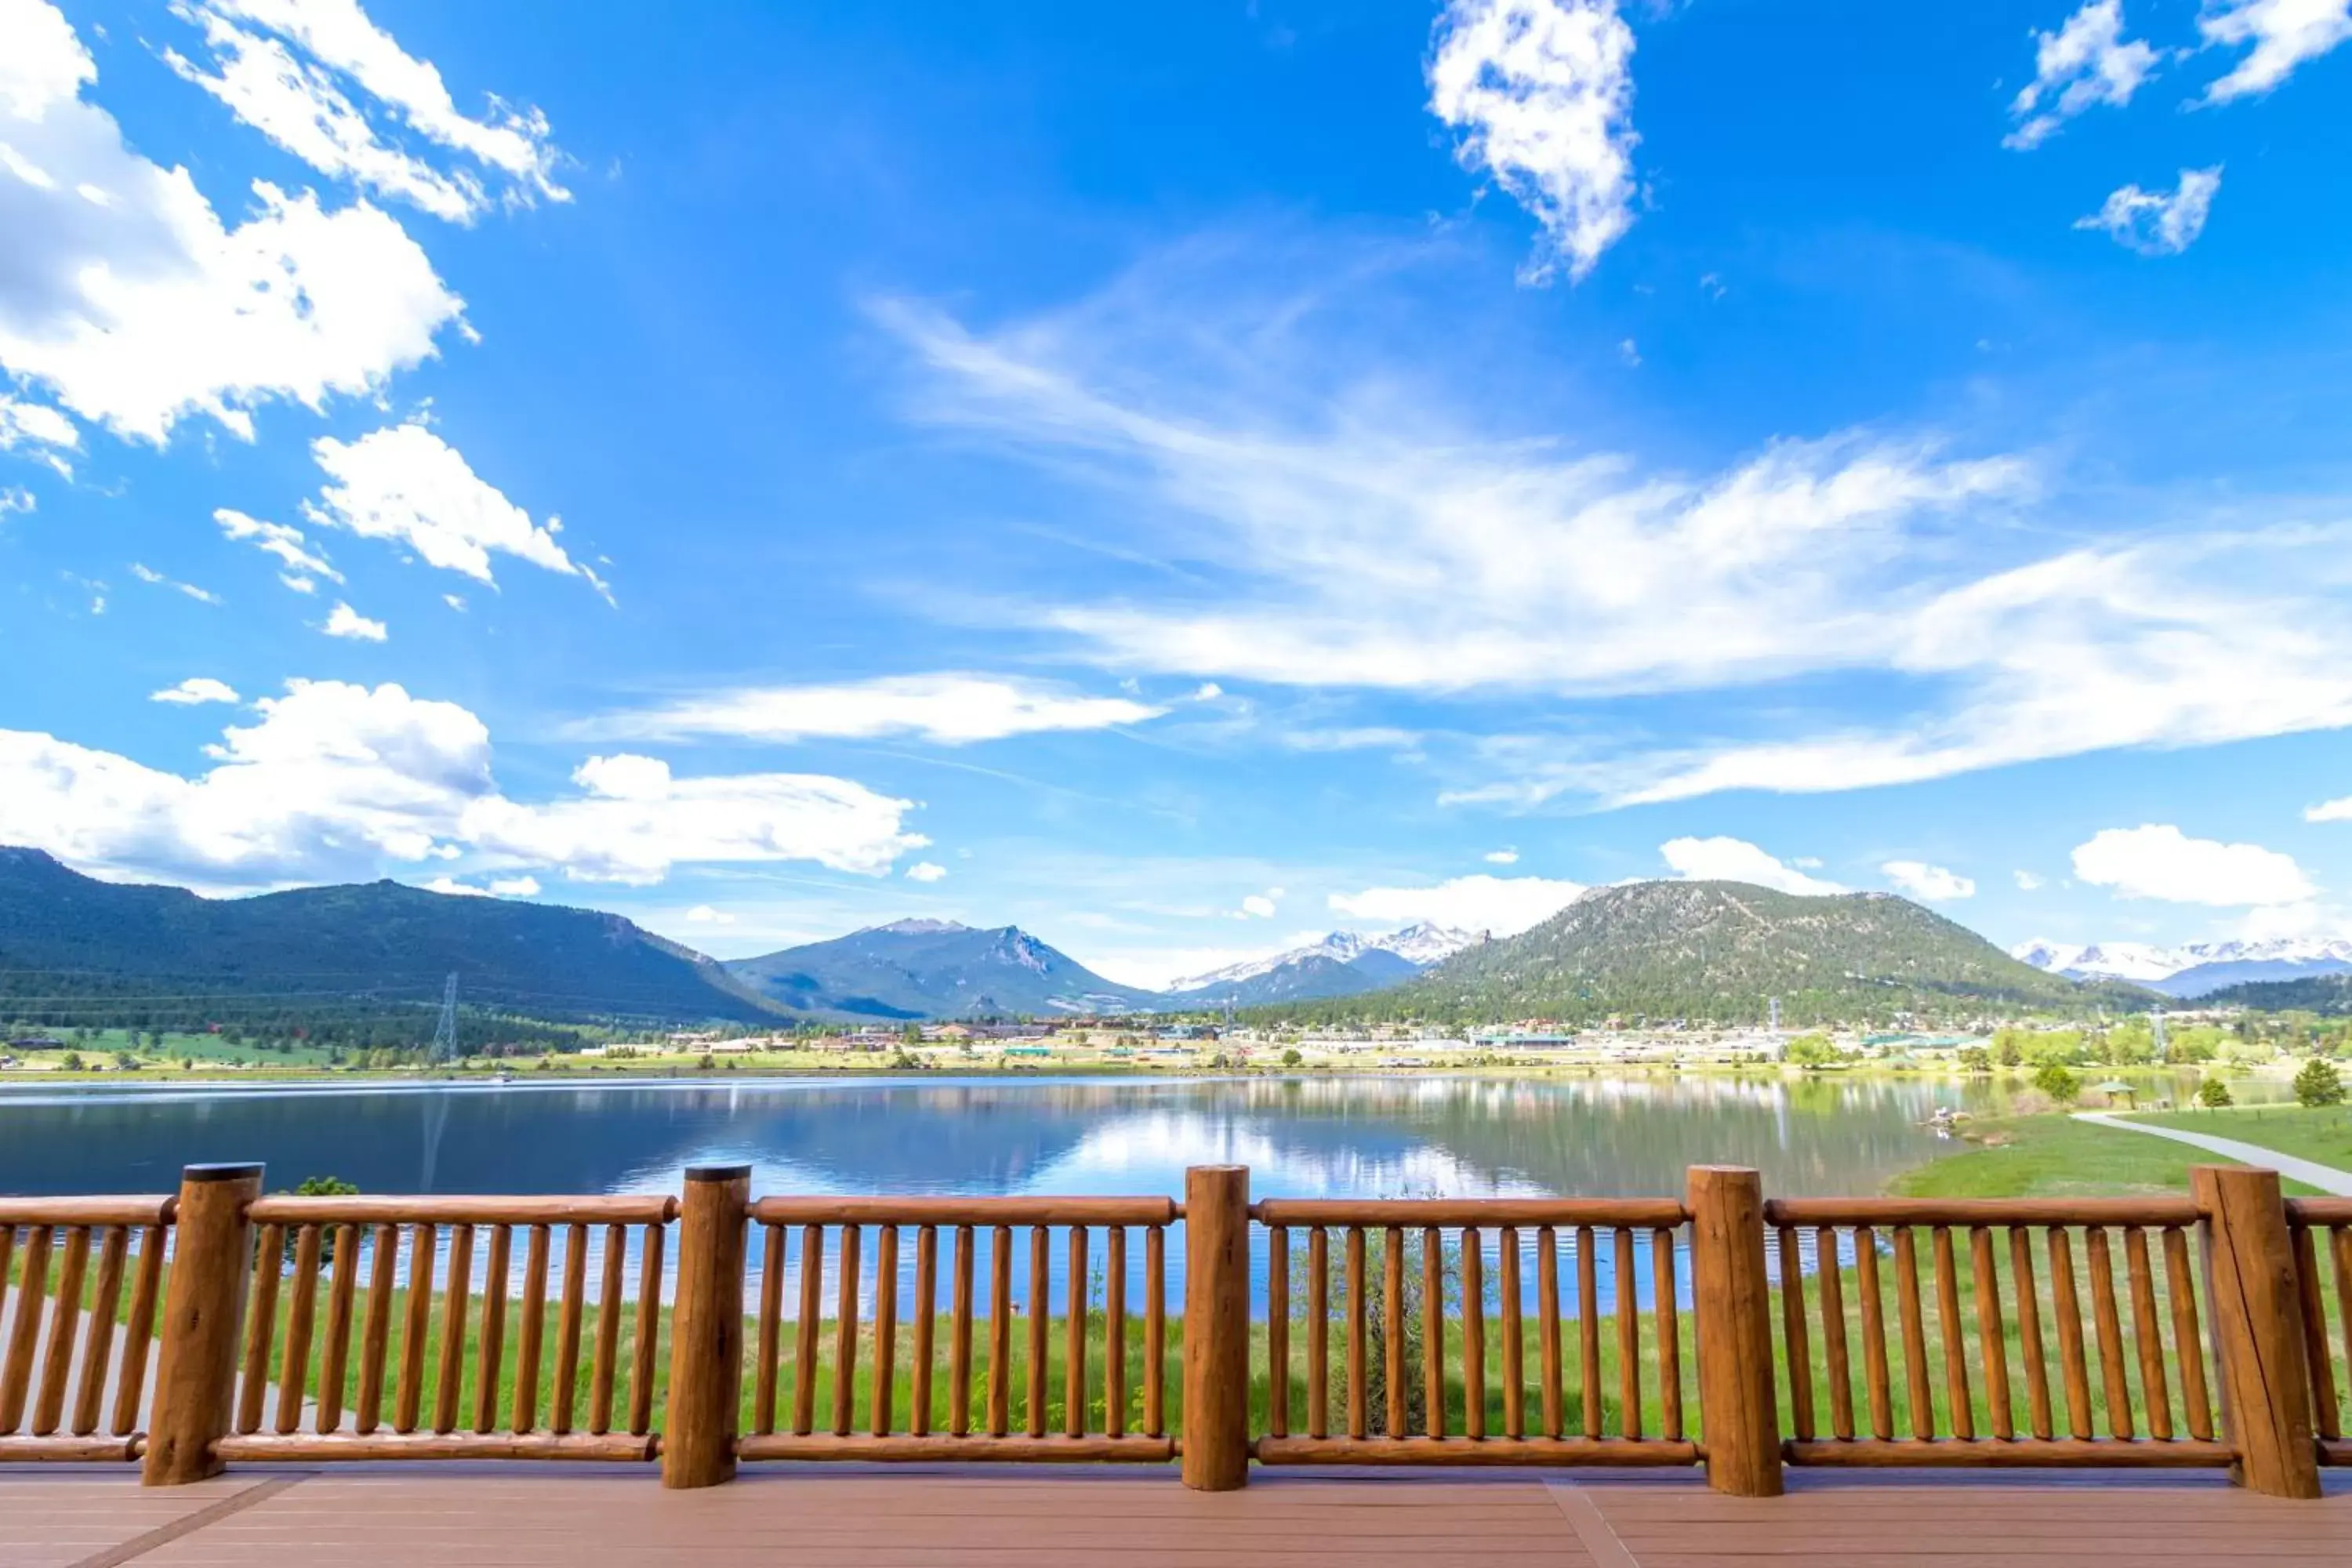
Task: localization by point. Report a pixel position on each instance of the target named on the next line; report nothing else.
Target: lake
(1360, 1136)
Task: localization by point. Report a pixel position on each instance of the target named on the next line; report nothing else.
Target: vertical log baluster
(2108, 1323)
(496, 1269)
(25, 1333)
(424, 1256)
(454, 1303)
(1075, 1294)
(1000, 1330)
(1588, 1327)
(882, 1414)
(1041, 1305)
(1359, 1321)
(1548, 1326)
(260, 1326)
(2148, 1332)
(375, 1338)
(1919, 1389)
(1115, 1331)
(2189, 1346)
(1670, 1339)
(2324, 1412)
(608, 1329)
(926, 1313)
(648, 1329)
(334, 1356)
(97, 1334)
(1319, 1333)
(1955, 1338)
(845, 1332)
(2066, 1306)
(7, 1249)
(534, 1330)
(294, 1364)
(805, 1329)
(65, 1318)
(138, 1331)
(1277, 1330)
(1432, 1330)
(1989, 1344)
(568, 1324)
(1793, 1332)
(1473, 1333)
(1875, 1374)
(1514, 1364)
(1155, 1331)
(2029, 1330)
(1629, 1337)
(771, 1330)
(1831, 1271)
(959, 1337)
(1392, 1375)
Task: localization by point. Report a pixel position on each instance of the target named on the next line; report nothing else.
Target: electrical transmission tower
(444, 1031)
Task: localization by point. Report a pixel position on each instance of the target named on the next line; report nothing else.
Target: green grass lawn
(2057, 1157)
(2318, 1134)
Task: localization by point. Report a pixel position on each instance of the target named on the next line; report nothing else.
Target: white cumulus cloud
(2085, 63)
(950, 709)
(288, 68)
(1724, 860)
(1504, 906)
(2156, 860)
(404, 483)
(2027, 882)
(1933, 883)
(2284, 34)
(514, 887)
(195, 689)
(135, 305)
(343, 621)
(1542, 91)
(336, 780)
(303, 564)
(926, 871)
(1502, 856)
(45, 432)
(703, 914)
(2159, 223)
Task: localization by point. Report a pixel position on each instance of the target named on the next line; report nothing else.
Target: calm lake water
(1308, 1137)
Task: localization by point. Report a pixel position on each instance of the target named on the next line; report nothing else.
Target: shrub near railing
(2021, 1334)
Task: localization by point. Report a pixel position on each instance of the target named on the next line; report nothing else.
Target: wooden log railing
(378, 1328)
(221, 1326)
(1983, 1355)
(74, 1361)
(2321, 1232)
(1474, 1332)
(849, 1285)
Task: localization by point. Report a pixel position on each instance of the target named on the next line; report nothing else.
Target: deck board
(454, 1516)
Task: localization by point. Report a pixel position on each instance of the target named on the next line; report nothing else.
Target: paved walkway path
(2311, 1173)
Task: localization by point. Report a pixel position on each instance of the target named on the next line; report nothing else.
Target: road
(2325, 1178)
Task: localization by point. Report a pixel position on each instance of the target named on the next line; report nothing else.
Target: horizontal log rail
(219, 1326)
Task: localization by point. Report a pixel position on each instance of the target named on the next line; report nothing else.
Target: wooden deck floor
(785, 1518)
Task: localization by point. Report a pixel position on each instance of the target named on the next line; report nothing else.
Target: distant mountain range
(934, 969)
(327, 948)
(1720, 952)
(2196, 969)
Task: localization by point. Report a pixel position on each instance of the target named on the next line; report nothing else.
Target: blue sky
(1179, 477)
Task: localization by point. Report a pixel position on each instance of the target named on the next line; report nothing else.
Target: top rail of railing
(2148, 1211)
(143, 1209)
(966, 1211)
(1646, 1212)
(658, 1208)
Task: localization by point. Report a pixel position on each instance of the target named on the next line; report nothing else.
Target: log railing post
(1216, 1328)
(706, 1344)
(2258, 1339)
(1731, 1298)
(195, 1379)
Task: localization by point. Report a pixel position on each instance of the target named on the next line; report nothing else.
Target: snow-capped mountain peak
(2191, 969)
(1420, 945)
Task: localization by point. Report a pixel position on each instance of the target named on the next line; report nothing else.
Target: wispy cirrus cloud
(2085, 63)
(953, 709)
(2159, 223)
